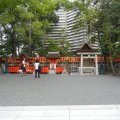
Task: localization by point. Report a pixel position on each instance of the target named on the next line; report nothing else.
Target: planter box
(45, 70)
(30, 69)
(59, 70)
(13, 69)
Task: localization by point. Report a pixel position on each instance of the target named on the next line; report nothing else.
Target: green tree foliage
(58, 46)
(66, 3)
(103, 18)
(23, 21)
(86, 16)
(109, 24)
(64, 49)
(53, 46)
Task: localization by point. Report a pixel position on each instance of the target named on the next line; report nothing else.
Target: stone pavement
(56, 97)
(83, 112)
(59, 90)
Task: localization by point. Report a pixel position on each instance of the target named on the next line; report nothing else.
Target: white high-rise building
(75, 37)
(64, 28)
(60, 27)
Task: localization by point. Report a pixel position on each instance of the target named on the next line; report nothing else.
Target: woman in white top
(37, 71)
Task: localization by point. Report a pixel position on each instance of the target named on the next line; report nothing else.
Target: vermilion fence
(31, 60)
(61, 59)
(43, 60)
(70, 59)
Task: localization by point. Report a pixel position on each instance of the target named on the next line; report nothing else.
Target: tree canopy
(23, 22)
(101, 17)
(109, 24)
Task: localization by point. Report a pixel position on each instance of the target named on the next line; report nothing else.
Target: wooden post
(81, 71)
(96, 64)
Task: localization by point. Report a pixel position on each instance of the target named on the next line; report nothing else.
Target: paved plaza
(85, 112)
(57, 97)
(49, 90)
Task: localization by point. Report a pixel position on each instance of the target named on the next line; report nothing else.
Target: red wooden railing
(70, 59)
(61, 59)
(30, 69)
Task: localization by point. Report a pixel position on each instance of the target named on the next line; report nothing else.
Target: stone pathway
(59, 97)
(59, 90)
(83, 112)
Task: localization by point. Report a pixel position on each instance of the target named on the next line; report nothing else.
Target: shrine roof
(53, 55)
(86, 48)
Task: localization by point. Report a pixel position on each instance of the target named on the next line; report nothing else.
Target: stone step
(52, 71)
(82, 112)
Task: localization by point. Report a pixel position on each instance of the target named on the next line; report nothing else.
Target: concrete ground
(56, 90)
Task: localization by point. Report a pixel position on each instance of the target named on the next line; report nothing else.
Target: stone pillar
(81, 69)
(96, 64)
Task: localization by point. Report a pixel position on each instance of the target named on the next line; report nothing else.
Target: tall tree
(22, 20)
(109, 24)
(102, 18)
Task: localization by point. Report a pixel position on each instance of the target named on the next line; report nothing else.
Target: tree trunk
(112, 66)
(30, 35)
(18, 50)
(14, 44)
(29, 49)
(105, 63)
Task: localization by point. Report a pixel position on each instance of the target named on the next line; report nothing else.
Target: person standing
(23, 67)
(37, 69)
